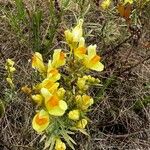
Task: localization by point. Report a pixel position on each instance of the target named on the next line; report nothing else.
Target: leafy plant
(62, 95)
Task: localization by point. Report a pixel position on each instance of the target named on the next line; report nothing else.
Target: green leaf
(2, 108)
(65, 3)
(47, 143)
(84, 132)
(52, 144)
(141, 103)
(20, 9)
(68, 139)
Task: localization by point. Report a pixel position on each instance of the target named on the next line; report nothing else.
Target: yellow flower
(38, 98)
(81, 84)
(81, 123)
(91, 79)
(128, 1)
(84, 102)
(105, 4)
(78, 31)
(9, 80)
(9, 65)
(74, 114)
(10, 62)
(48, 84)
(37, 62)
(54, 105)
(12, 69)
(52, 73)
(69, 36)
(59, 145)
(81, 49)
(58, 58)
(41, 121)
(61, 92)
(26, 89)
(92, 60)
(76, 34)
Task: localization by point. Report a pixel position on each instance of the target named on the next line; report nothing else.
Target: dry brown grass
(115, 123)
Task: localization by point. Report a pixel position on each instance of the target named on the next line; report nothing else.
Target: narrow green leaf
(68, 139)
(2, 108)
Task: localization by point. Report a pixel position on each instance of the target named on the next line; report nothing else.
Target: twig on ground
(131, 67)
(114, 49)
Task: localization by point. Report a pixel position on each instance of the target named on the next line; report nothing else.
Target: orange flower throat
(40, 121)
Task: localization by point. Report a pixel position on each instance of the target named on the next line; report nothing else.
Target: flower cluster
(106, 3)
(62, 96)
(9, 66)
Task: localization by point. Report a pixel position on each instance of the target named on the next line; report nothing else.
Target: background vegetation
(121, 114)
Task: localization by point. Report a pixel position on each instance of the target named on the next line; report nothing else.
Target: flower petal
(58, 58)
(97, 67)
(74, 115)
(60, 145)
(37, 62)
(78, 31)
(40, 121)
(37, 98)
(45, 93)
(91, 51)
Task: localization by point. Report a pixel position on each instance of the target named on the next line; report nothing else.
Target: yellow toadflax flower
(49, 84)
(81, 84)
(53, 103)
(9, 66)
(61, 92)
(74, 35)
(80, 51)
(84, 102)
(10, 62)
(37, 62)
(105, 4)
(41, 121)
(52, 72)
(128, 1)
(9, 80)
(59, 145)
(74, 115)
(78, 31)
(81, 123)
(58, 58)
(38, 98)
(92, 60)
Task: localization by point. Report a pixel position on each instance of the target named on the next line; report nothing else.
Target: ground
(120, 117)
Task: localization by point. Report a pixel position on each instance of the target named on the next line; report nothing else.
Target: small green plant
(2, 108)
(27, 24)
(9, 66)
(63, 96)
(142, 103)
(10, 91)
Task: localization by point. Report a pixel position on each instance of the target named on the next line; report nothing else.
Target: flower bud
(60, 145)
(81, 123)
(9, 80)
(26, 90)
(37, 99)
(74, 114)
